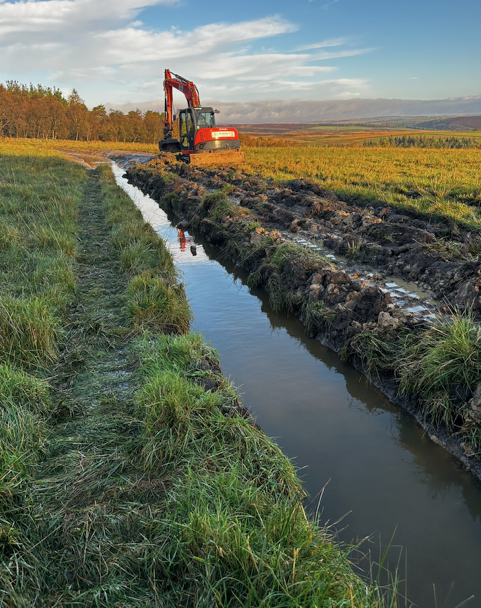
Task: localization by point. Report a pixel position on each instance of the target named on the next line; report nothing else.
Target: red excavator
(201, 142)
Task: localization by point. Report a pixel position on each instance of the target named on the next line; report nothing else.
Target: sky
(115, 51)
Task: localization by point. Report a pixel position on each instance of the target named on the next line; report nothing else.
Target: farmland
(349, 134)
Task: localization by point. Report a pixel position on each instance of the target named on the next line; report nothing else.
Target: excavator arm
(174, 81)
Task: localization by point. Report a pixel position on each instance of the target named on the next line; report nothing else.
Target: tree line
(424, 142)
(44, 113)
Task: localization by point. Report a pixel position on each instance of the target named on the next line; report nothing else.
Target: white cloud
(101, 42)
(46, 16)
(131, 44)
(297, 109)
(323, 44)
(338, 54)
(328, 4)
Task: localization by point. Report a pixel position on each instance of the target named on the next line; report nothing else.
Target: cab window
(205, 119)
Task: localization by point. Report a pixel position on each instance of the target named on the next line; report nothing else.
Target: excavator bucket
(217, 158)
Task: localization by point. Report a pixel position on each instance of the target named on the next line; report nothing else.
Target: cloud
(129, 44)
(328, 4)
(298, 110)
(323, 44)
(47, 16)
(104, 45)
(337, 54)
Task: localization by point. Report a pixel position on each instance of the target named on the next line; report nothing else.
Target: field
(130, 473)
(438, 182)
(53, 147)
(106, 413)
(344, 134)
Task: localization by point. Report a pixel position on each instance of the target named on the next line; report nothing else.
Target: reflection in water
(384, 472)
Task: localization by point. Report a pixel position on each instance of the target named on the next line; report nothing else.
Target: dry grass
(435, 182)
(53, 147)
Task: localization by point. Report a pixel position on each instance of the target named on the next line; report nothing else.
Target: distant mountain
(313, 111)
(457, 123)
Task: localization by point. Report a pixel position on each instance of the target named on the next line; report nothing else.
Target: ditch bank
(384, 326)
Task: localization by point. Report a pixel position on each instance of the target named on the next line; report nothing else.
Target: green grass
(154, 304)
(24, 399)
(38, 210)
(447, 355)
(234, 530)
(136, 241)
(216, 205)
(276, 271)
(38, 245)
(29, 331)
(315, 314)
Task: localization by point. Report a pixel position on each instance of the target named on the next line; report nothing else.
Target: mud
(354, 267)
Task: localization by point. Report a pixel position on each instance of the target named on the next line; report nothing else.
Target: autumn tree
(41, 112)
(77, 115)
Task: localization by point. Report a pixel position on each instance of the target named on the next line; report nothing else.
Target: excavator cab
(190, 121)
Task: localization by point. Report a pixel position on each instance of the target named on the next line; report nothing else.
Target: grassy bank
(131, 473)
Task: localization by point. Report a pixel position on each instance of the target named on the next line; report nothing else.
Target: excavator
(201, 142)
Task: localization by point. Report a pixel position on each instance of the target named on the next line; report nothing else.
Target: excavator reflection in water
(184, 240)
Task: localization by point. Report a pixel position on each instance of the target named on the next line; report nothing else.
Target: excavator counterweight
(201, 141)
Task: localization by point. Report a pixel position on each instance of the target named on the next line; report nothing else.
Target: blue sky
(116, 50)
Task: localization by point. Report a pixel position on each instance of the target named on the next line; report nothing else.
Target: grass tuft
(447, 355)
(154, 304)
(217, 205)
(29, 331)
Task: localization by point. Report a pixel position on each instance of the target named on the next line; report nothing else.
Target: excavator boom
(201, 141)
(174, 81)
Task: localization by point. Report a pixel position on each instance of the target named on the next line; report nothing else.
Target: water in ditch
(383, 475)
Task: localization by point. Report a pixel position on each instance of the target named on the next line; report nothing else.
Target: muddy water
(384, 475)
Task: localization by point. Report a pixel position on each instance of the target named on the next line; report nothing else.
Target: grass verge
(38, 212)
